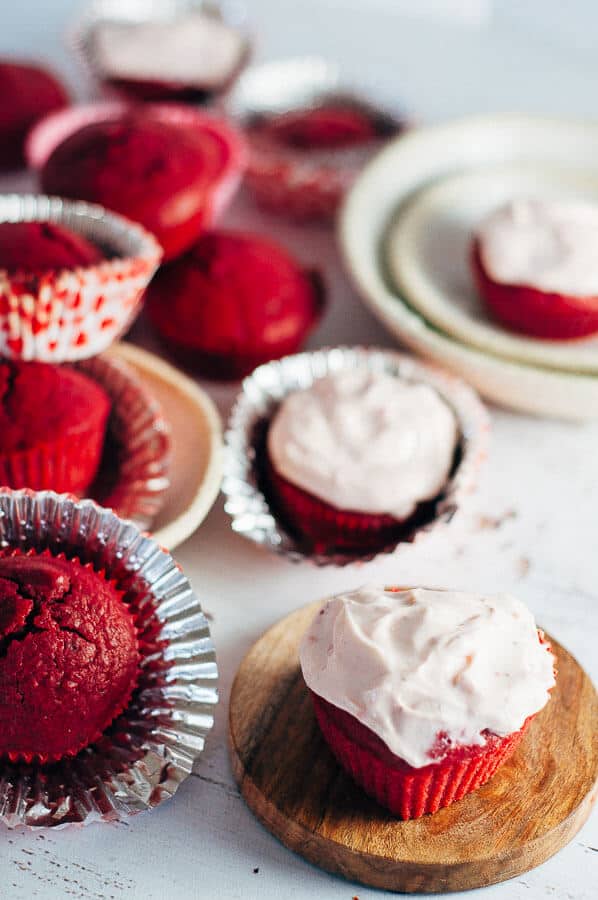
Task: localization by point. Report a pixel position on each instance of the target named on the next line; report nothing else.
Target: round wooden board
(532, 807)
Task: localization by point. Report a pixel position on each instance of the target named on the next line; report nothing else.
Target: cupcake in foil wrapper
(124, 45)
(134, 471)
(142, 758)
(249, 499)
(71, 314)
(309, 135)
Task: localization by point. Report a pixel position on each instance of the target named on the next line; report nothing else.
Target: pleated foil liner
(143, 757)
(247, 505)
(72, 314)
(134, 472)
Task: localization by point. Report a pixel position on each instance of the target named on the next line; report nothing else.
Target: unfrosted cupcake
(423, 694)
(536, 266)
(52, 427)
(69, 658)
(357, 458)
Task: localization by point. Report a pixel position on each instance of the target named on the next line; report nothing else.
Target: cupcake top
(192, 49)
(38, 401)
(428, 670)
(69, 656)
(365, 441)
(36, 247)
(545, 244)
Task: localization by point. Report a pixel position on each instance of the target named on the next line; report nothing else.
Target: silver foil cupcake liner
(299, 183)
(73, 314)
(134, 472)
(143, 757)
(247, 503)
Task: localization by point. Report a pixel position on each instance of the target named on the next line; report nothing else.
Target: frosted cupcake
(356, 459)
(423, 694)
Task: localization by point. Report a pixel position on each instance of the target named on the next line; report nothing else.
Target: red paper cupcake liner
(537, 313)
(328, 528)
(406, 791)
(300, 192)
(67, 464)
(75, 313)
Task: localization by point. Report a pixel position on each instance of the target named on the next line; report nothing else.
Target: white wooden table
(530, 529)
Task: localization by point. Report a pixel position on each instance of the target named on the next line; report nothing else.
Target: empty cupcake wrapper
(75, 313)
(134, 474)
(262, 392)
(143, 757)
(307, 184)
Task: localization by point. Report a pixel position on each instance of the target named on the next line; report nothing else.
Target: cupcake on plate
(52, 426)
(357, 458)
(27, 94)
(69, 658)
(232, 302)
(535, 264)
(422, 694)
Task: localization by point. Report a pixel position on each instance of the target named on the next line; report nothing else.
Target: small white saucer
(196, 435)
(428, 256)
(414, 161)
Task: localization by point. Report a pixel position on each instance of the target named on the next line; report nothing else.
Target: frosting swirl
(365, 441)
(549, 245)
(415, 664)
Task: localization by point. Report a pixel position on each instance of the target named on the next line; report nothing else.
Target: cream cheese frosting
(193, 49)
(548, 245)
(413, 664)
(365, 441)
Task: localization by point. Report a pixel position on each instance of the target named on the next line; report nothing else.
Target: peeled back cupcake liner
(142, 758)
(302, 185)
(252, 506)
(56, 128)
(409, 792)
(72, 314)
(134, 472)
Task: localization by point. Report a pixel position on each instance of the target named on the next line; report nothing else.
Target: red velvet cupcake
(150, 170)
(355, 460)
(52, 427)
(422, 695)
(37, 247)
(69, 659)
(233, 302)
(534, 263)
(27, 93)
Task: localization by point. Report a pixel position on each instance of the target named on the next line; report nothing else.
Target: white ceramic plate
(409, 163)
(428, 256)
(196, 433)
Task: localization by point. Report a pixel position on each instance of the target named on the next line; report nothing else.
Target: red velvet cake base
(406, 791)
(536, 313)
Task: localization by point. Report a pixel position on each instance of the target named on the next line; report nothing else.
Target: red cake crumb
(44, 247)
(232, 302)
(68, 656)
(155, 173)
(324, 127)
(27, 93)
(52, 426)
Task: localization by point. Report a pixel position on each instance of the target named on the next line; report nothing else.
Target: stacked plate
(406, 230)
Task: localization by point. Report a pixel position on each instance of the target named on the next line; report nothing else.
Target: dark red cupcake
(69, 658)
(38, 247)
(52, 427)
(233, 302)
(152, 171)
(27, 93)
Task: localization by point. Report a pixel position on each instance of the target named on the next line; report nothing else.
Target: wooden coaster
(534, 805)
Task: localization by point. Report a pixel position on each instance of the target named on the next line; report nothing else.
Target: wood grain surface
(532, 807)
